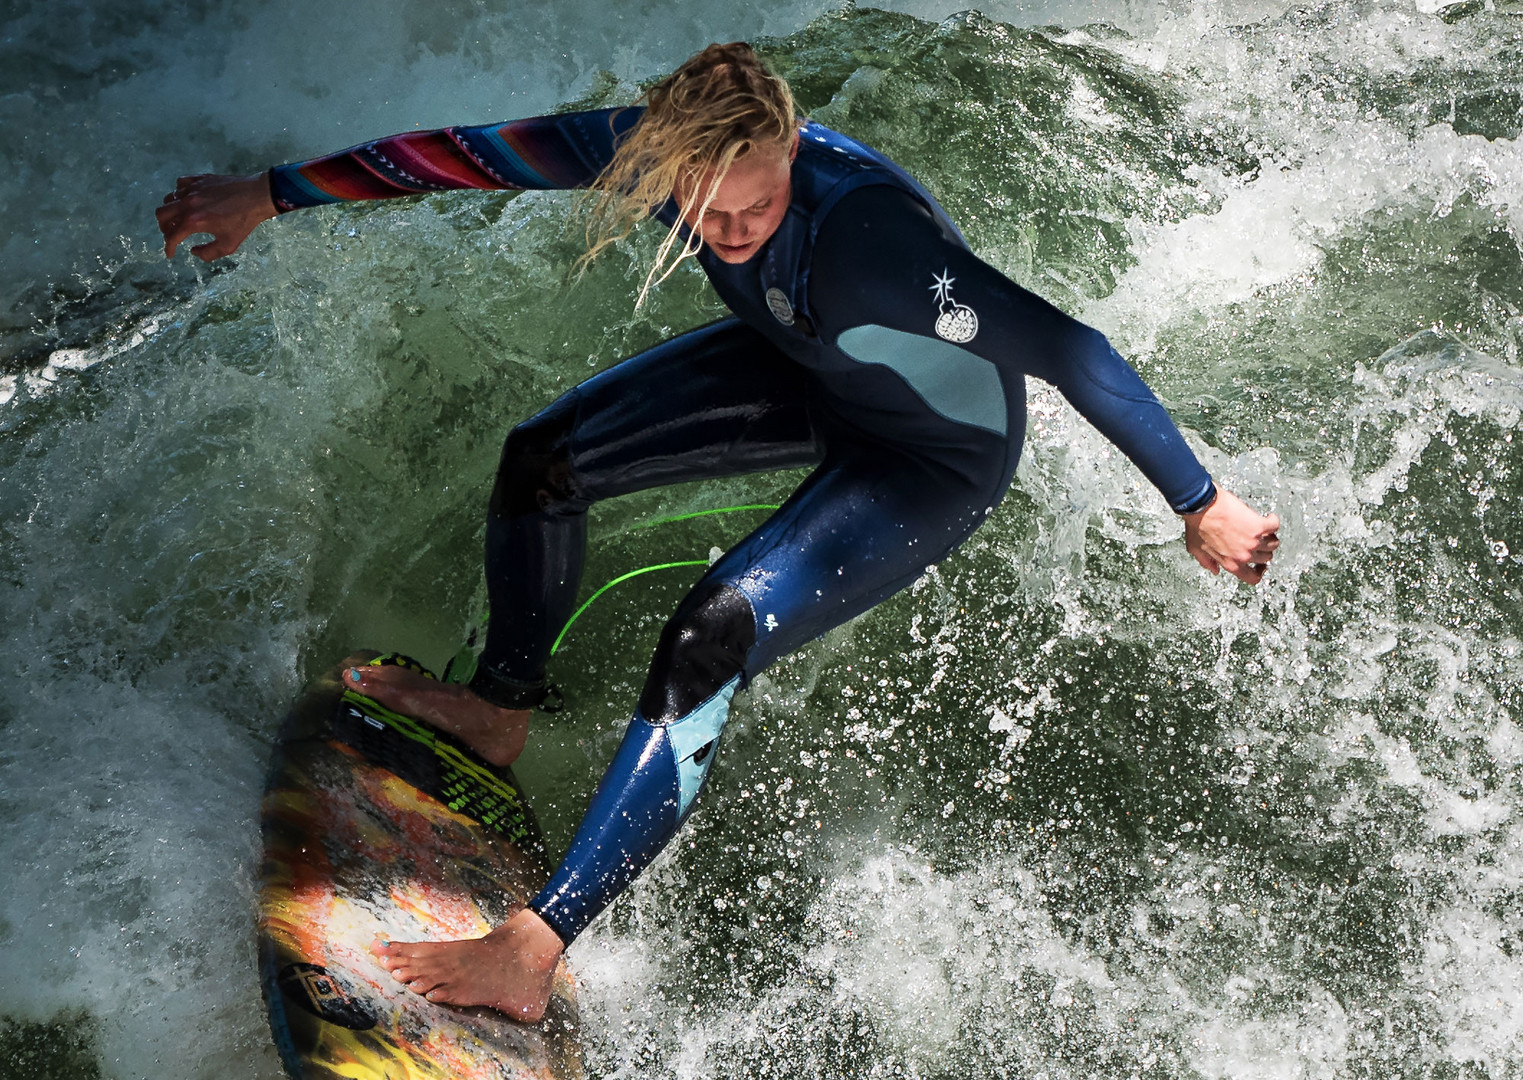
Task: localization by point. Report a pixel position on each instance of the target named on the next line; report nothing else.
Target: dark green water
(1069, 807)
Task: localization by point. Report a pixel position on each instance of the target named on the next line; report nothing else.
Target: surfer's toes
(404, 965)
(390, 955)
(385, 951)
(426, 987)
(383, 678)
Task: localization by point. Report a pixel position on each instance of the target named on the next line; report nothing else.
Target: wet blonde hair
(718, 107)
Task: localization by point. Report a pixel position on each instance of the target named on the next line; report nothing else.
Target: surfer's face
(748, 207)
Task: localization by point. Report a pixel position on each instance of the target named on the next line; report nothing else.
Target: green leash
(461, 668)
(622, 577)
(658, 566)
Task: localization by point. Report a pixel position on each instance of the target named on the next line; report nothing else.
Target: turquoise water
(1067, 808)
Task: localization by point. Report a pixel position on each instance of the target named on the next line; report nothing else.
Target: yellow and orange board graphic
(353, 851)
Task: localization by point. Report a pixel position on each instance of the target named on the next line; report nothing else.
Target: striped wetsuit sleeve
(564, 151)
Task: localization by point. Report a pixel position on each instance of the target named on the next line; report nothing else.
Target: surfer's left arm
(882, 259)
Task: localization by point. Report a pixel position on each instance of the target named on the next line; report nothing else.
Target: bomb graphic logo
(955, 322)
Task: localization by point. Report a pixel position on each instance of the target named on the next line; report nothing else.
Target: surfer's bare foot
(509, 970)
(497, 734)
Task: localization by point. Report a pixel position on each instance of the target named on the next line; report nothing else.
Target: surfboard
(375, 824)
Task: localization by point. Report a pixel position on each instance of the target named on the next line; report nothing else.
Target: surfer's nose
(729, 232)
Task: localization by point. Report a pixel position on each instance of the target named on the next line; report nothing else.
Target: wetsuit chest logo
(954, 322)
(777, 303)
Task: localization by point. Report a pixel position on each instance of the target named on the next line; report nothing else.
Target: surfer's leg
(718, 401)
(715, 402)
(867, 523)
(864, 525)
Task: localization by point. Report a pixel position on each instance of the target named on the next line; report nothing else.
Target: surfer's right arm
(568, 150)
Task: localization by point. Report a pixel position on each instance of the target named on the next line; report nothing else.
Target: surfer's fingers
(1250, 572)
(213, 249)
(1205, 560)
(171, 224)
(1264, 547)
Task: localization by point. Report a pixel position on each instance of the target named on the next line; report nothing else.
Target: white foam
(1473, 979)
(131, 820)
(1323, 168)
(1308, 1044)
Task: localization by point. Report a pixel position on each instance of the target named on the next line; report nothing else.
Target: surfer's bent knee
(534, 475)
(703, 646)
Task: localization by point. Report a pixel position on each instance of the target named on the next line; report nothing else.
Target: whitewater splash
(1068, 807)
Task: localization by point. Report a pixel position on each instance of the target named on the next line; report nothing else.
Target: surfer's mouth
(733, 252)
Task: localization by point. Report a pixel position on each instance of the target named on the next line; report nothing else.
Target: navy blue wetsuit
(867, 342)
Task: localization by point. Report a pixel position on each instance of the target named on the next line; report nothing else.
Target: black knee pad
(702, 647)
(534, 475)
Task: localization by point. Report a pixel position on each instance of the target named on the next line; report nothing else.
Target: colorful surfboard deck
(377, 825)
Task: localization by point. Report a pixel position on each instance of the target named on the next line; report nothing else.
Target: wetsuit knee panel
(703, 647)
(535, 475)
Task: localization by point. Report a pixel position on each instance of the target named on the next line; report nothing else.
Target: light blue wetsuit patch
(958, 384)
(690, 735)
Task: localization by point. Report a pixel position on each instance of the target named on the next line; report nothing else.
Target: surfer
(866, 342)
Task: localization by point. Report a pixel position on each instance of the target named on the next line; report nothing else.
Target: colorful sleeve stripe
(565, 151)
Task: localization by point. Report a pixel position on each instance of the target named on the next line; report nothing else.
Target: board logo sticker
(955, 322)
(778, 304)
(313, 989)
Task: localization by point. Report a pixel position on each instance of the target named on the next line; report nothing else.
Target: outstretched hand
(1230, 535)
(227, 207)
